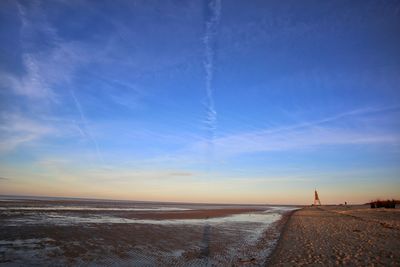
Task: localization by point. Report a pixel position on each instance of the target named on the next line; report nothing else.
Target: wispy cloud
(49, 71)
(34, 20)
(40, 67)
(343, 116)
(211, 26)
(308, 135)
(364, 126)
(31, 84)
(300, 139)
(16, 130)
(48, 67)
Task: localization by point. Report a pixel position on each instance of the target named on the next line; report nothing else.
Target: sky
(201, 101)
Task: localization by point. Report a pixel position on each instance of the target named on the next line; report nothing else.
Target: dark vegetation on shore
(389, 204)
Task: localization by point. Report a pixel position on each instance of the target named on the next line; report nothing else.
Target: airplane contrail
(84, 122)
(212, 21)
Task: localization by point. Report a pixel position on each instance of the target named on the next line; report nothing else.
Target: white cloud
(297, 139)
(47, 66)
(307, 135)
(16, 130)
(44, 71)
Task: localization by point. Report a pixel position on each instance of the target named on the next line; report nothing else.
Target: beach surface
(117, 233)
(340, 235)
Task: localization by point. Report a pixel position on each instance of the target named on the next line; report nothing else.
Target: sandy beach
(69, 233)
(340, 235)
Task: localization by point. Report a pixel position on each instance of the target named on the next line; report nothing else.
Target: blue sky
(204, 101)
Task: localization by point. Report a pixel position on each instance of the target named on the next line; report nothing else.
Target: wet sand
(70, 233)
(340, 235)
(190, 214)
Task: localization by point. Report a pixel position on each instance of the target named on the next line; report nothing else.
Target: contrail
(32, 69)
(212, 21)
(84, 130)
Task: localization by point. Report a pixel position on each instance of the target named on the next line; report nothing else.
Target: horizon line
(36, 197)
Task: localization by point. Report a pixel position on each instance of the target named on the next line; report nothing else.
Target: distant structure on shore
(316, 198)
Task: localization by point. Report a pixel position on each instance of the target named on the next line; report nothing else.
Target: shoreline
(282, 228)
(339, 235)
